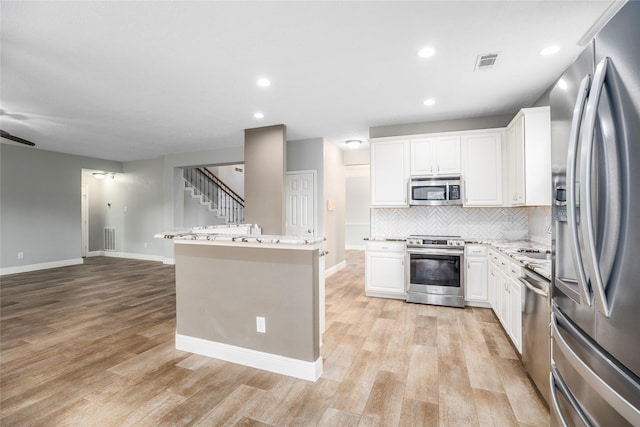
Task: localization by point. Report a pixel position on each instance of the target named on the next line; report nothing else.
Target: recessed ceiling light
(429, 102)
(549, 50)
(99, 175)
(426, 52)
(263, 82)
(258, 115)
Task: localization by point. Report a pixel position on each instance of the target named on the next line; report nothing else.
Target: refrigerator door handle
(586, 201)
(611, 396)
(572, 156)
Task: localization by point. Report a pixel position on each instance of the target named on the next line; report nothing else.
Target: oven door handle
(414, 251)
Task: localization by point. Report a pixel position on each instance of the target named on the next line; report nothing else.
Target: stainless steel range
(436, 273)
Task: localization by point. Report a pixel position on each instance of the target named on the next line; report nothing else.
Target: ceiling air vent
(486, 61)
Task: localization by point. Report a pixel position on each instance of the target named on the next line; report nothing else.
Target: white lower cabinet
(506, 295)
(385, 269)
(476, 290)
(515, 306)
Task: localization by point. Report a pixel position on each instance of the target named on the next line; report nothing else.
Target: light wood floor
(93, 345)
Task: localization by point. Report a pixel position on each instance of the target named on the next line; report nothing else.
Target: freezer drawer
(604, 392)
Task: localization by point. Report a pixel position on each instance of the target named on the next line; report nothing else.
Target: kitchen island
(254, 300)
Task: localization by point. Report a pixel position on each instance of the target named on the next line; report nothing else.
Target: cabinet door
(517, 163)
(389, 173)
(482, 169)
(515, 313)
(503, 300)
(384, 274)
(476, 281)
(422, 160)
(447, 155)
(491, 287)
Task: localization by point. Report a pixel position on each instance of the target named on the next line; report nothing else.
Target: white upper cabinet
(436, 156)
(482, 168)
(528, 149)
(389, 173)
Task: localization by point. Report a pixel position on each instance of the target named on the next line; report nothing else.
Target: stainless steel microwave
(432, 191)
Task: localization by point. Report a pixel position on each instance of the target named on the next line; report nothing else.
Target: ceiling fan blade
(7, 135)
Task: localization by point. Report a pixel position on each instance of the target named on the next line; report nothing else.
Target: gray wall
(221, 290)
(265, 160)
(308, 155)
(131, 202)
(472, 123)
(40, 204)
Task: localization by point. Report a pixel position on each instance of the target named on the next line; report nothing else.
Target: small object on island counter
(204, 232)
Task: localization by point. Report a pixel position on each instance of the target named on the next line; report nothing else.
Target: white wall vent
(486, 61)
(109, 239)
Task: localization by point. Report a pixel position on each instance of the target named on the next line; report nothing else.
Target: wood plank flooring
(93, 345)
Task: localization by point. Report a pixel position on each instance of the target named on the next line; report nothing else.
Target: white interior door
(301, 218)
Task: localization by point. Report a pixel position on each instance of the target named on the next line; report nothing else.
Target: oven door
(436, 271)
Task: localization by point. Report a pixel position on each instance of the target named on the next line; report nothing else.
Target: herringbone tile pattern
(483, 223)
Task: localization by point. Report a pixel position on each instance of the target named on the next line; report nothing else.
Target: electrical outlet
(261, 325)
(145, 245)
(20, 255)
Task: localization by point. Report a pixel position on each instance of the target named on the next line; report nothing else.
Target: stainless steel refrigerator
(595, 327)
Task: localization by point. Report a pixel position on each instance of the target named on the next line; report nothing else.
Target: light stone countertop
(518, 250)
(219, 237)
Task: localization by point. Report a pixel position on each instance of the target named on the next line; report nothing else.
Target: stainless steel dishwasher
(536, 333)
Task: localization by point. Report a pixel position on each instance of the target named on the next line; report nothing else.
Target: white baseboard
(41, 266)
(477, 304)
(331, 270)
(129, 255)
(169, 261)
(309, 371)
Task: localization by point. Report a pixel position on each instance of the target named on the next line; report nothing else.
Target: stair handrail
(213, 190)
(222, 185)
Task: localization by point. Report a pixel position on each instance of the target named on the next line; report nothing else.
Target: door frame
(84, 215)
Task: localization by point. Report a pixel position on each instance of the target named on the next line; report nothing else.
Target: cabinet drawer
(476, 250)
(384, 246)
(515, 270)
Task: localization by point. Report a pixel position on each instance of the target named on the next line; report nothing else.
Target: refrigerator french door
(595, 133)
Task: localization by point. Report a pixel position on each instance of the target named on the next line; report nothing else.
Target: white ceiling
(136, 80)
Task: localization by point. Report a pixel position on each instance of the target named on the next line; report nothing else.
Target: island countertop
(240, 236)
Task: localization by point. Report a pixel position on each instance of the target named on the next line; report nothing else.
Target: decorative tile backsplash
(486, 223)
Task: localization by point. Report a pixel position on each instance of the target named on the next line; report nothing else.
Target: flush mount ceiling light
(429, 102)
(99, 175)
(426, 52)
(353, 143)
(549, 50)
(258, 115)
(263, 82)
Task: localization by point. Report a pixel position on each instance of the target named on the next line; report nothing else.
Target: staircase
(214, 194)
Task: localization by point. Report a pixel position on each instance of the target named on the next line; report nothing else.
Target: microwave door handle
(572, 156)
(586, 199)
